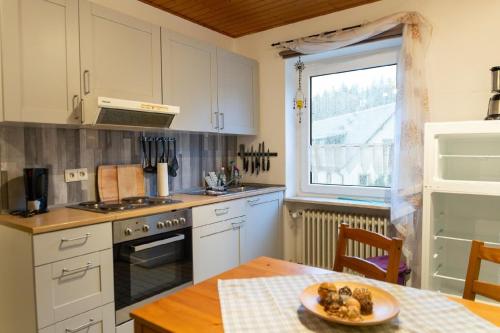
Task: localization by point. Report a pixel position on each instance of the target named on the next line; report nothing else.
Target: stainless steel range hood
(119, 112)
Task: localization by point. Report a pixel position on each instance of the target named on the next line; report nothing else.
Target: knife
(257, 166)
(253, 159)
(263, 157)
(242, 155)
(268, 161)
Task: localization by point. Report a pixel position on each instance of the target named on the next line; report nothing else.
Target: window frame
(333, 65)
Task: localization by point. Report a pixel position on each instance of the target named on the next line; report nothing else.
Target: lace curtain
(412, 111)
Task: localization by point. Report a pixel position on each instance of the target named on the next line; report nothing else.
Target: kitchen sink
(228, 191)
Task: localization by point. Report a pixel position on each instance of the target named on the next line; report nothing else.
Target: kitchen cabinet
(228, 234)
(215, 248)
(238, 95)
(261, 234)
(190, 81)
(40, 55)
(120, 58)
(57, 281)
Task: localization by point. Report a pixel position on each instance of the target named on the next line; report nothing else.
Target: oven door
(149, 266)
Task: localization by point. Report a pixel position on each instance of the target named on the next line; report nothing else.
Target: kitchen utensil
(242, 155)
(149, 166)
(163, 158)
(144, 152)
(257, 162)
(130, 179)
(263, 157)
(495, 79)
(252, 157)
(385, 306)
(175, 163)
(107, 182)
(268, 161)
(156, 154)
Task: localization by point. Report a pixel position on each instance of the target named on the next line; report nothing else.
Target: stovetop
(124, 204)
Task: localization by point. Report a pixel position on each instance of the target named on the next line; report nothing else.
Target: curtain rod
(316, 35)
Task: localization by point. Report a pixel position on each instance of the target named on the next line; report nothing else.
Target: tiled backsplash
(62, 148)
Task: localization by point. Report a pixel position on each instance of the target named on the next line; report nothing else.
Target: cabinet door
(261, 232)
(237, 93)
(100, 320)
(120, 58)
(215, 248)
(72, 286)
(41, 70)
(190, 81)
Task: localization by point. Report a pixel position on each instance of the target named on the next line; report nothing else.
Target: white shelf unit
(461, 201)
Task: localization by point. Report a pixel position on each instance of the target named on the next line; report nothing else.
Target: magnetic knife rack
(256, 154)
(156, 138)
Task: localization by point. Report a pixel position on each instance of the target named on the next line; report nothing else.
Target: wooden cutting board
(115, 182)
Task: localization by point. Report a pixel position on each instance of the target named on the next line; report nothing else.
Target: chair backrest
(368, 269)
(473, 286)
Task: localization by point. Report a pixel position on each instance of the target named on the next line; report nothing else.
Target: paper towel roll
(162, 179)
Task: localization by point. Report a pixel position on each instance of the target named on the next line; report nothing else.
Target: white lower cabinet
(127, 327)
(100, 320)
(215, 248)
(261, 234)
(69, 287)
(228, 234)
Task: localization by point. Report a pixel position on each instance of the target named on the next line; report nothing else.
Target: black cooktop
(124, 204)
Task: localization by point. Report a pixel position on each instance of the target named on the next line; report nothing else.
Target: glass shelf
(466, 237)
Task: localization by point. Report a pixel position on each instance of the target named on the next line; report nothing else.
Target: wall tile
(62, 148)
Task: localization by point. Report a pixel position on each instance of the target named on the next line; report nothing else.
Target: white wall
(175, 23)
(463, 48)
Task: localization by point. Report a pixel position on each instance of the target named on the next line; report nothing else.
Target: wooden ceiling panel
(236, 18)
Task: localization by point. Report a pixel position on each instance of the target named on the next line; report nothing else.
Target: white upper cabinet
(190, 81)
(40, 54)
(120, 57)
(238, 101)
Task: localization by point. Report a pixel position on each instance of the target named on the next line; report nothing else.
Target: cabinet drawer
(100, 320)
(59, 245)
(218, 212)
(260, 199)
(72, 286)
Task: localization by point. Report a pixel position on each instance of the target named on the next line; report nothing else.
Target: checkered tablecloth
(270, 305)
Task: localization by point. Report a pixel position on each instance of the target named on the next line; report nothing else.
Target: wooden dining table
(197, 308)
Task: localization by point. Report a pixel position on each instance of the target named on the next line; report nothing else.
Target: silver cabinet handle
(253, 202)
(216, 120)
(87, 236)
(81, 268)
(151, 245)
(223, 120)
(238, 226)
(221, 211)
(82, 111)
(79, 328)
(75, 104)
(86, 82)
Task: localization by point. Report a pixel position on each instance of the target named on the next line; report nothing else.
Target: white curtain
(412, 109)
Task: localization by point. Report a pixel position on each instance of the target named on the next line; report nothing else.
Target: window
(349, 133)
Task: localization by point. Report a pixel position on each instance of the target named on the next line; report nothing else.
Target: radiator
(320, 230)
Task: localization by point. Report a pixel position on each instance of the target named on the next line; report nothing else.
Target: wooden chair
(368, 269)
(473, 286)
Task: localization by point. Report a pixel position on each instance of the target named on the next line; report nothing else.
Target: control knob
(169, 223)
(145, 228)
(175, 221)
(160, 225)
(182, 220)
(128, 231)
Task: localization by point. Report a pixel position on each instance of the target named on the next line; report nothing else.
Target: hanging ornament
(300, 101)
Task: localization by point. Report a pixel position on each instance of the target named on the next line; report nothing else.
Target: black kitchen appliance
(36, 188)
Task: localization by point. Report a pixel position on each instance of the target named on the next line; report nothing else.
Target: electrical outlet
(83, 174)
(71, 175)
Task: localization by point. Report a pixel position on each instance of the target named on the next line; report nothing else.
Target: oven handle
(160, 242)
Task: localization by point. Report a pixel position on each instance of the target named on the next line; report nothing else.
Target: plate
(385, 306)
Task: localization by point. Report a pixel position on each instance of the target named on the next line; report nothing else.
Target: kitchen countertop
(66, 218)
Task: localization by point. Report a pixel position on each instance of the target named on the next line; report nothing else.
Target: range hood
(120, 112)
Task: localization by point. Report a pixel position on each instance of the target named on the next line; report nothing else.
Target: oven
(152, 257)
